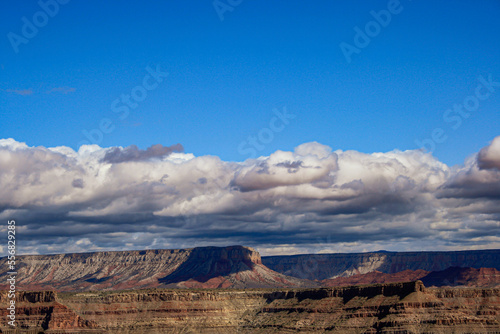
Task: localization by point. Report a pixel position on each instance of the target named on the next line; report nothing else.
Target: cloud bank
(313, 199)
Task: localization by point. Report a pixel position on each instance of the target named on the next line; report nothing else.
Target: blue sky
(226, 76)
(314, 90)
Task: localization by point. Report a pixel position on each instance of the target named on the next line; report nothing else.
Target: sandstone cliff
(384, 308)
(39, 311)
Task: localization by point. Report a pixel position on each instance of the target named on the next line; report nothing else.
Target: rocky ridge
(383, 308)
(457, 276)
(453, 276)
(243, 267)
(204, 267)
(327, 266)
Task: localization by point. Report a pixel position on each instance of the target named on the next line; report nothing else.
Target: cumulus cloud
(77, 183)
(133, 153)
(122, 198)
(489, 156)
(285, 169)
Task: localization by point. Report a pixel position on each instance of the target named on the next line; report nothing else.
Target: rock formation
(453, 276)
(325, 266)
(242, 267)
(383, 308)
(205, 267)
(376, 277)
(39, 311)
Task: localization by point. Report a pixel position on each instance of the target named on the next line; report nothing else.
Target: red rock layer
(376, 277)
(383, 308)
(41, 311)
(453, 276)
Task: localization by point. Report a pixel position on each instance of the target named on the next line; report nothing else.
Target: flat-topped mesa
(247, 255)
(231, 263)
(232, 266)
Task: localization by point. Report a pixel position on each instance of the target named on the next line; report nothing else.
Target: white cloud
(489, 157)
(287, 200)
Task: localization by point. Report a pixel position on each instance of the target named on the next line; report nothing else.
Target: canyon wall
(324, 266)
(453, 276)
(383, 308)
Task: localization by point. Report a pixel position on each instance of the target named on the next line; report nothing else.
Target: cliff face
(324, 266)
(383, 308)
(482, 277)
(100, 270)
(453, 276)
(208, 262)
(227, 267)
(204, 267)
(40, 311)
(242, 267)
(376, 277)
